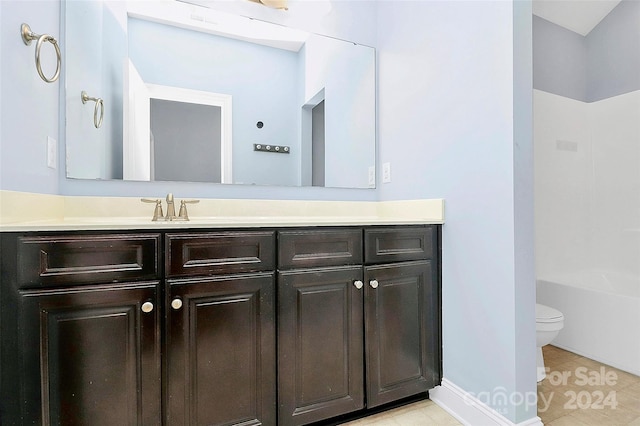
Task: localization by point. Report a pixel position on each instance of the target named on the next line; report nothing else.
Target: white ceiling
(580, 16)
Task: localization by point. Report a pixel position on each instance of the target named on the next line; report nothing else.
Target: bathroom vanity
(234, 325)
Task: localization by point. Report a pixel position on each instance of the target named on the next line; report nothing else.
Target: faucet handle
(157, 212)
(183, 208)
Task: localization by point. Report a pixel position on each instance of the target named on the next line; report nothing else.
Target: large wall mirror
(194, 94)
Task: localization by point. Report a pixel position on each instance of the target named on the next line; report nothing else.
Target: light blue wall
(600, 65)
(455, 122)
(83, 60)
(523, 211)
(93, 63)
(1, 93)
(29, 105)
(114, 50)
(560, 60)
(343, 71)
(613, 58)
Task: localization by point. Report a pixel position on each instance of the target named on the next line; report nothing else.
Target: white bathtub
(602, 315)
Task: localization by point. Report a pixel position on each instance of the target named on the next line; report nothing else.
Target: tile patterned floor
(577, 392)
(581, 392)
(422, 413)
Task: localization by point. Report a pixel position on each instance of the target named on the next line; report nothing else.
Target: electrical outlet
(386, 172)
(372, 176)
(52, 152)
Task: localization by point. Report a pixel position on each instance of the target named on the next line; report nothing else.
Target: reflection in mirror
(175, 134)
(194, 125)
(188, 92)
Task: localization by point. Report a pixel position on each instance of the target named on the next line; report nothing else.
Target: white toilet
(549, 322)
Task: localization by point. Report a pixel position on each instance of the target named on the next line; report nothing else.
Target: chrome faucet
(171, 209)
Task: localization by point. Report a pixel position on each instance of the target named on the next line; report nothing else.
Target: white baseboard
(469, 410)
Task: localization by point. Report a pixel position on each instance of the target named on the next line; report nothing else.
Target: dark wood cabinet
(359, 336)
(320, 341)
(66, 260)
(320, 324)
(217, 327)
(402, 312)
(220, 328)
(221, 351)
(200, 254)
(401, 319)
(80, 317)
(98, 353)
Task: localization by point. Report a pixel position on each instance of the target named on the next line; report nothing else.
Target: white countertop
(120, 223)
(22, 212)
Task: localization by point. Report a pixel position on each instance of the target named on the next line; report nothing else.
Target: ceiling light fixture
(275, 4)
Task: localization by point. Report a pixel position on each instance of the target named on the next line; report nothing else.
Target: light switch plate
(386, 172)
(52, 152)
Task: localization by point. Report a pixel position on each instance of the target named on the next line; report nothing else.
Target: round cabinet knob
(373, 283)
(147, 307)
(176, 303)
(358, 284)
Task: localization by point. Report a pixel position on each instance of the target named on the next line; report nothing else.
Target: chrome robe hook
(28, 36)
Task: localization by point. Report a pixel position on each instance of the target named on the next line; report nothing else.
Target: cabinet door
(91, 355)
(401, 326)
(221, 351)
(320, 341)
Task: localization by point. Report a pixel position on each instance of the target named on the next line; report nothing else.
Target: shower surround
(587, 182)
(587, 211)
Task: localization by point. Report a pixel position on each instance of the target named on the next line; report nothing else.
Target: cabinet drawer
(230, 252)
(319, 247)
(86, 259)
(401, 243)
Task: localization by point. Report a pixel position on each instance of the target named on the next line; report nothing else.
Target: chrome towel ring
(28, 36)
(97, 121)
